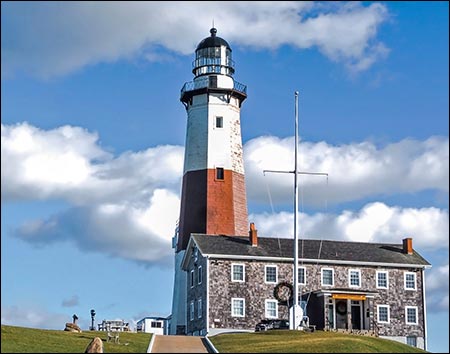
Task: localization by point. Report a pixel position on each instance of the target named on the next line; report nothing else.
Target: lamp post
(92, 319)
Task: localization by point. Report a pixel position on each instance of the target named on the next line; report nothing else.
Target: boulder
(72, 327)
(95, 346)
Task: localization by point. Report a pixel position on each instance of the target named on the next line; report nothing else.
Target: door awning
(348, 296)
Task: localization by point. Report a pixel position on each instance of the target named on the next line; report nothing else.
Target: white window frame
(270, 301)
(192, 278)
(233, 299)
(415, 281)
(387, 279)
(265, 274)
(243, 272)
(199, 274)
(388, 314)
(349, 278)
(406, 315)
(332, 277)
(192, 311)
(304, 275)
(199, 308)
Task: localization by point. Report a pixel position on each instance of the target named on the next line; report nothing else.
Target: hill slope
(284, 341)
(30, 340)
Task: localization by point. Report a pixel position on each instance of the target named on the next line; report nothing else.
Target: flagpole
(295, 308)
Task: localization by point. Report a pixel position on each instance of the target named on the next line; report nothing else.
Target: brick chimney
(253, 235)
(407, 245)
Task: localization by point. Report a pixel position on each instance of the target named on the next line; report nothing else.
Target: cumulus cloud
(355, 170)
(375, 222)
(71, 302)
(436, 281)
(141, 234)
(127, 206)
(48, 39)
(68, 163)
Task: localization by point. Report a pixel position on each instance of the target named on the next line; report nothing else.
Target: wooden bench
(113, 336)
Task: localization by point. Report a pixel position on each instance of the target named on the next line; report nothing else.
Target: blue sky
(93, 135)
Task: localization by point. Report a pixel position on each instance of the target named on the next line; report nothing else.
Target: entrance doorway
(356, 315)
(341, 314)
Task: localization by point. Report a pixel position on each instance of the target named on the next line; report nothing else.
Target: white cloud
(48, 39)
(68, 163)
(138, 233)
(127, 206)
(355, 170)
(375, 222)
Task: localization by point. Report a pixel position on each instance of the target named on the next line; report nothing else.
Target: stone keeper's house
(369, 287)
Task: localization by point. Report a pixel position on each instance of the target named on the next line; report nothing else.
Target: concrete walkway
(178, 344)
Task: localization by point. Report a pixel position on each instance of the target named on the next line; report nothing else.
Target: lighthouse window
(214, 52)
(219, 122)
(220, 173)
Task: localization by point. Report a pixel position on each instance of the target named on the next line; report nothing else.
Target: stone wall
(255, 291)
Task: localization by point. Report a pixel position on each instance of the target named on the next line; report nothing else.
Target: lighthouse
(213, 196)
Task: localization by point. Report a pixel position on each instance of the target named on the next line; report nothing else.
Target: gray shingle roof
(308, 249)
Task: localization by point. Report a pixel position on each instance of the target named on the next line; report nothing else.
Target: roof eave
(322, 261)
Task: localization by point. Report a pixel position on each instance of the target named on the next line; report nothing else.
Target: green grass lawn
(30, 340)
(284, 341)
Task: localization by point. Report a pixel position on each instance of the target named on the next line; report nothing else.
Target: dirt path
(178, 344)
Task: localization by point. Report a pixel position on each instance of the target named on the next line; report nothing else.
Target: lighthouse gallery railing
(206, 82)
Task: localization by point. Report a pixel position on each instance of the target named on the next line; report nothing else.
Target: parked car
(267, 324)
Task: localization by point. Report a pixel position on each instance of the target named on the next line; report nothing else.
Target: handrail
(205, 83)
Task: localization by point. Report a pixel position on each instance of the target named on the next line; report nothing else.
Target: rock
(95, 346)
(72, 327)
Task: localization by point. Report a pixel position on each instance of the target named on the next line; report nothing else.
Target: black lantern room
(213, 56)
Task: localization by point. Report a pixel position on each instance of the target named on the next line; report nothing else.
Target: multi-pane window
(327, 276)
(192, 278)
(237, 307)
(154, 324)
(383, 313)
(411, 340)
(411, 314)
(237, 272)
(192, 311)
(219, 122)
(271, 309)
(410, 281)
(354, 278)
(271, 274)
(200, 275)
(302, 275)
(382, 279)
(199, 308)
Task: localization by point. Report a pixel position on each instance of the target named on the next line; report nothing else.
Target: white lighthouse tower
(213, 197)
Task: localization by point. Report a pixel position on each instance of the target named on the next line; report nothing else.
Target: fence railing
(207, 83)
